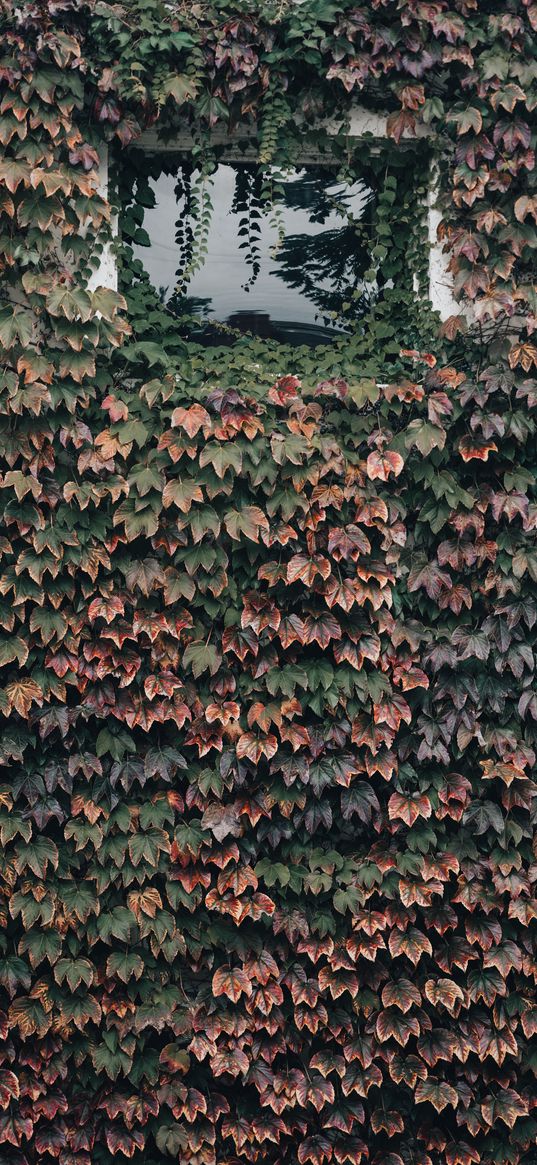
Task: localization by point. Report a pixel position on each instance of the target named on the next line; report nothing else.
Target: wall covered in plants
(268, 617)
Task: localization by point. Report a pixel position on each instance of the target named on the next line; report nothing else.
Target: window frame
(364, 125)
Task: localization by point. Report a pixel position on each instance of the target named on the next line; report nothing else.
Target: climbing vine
(268, 616)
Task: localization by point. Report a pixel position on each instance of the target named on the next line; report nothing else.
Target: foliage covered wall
(268, 635)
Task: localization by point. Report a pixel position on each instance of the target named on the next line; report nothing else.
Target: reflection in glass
(297, 276)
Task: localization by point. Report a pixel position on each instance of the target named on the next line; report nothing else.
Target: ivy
(268, 616)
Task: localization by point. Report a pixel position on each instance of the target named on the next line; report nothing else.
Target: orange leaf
(380, 465)
(232, 982)
(22, 694)
(191, 419)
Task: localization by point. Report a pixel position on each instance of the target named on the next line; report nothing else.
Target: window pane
(285, 276)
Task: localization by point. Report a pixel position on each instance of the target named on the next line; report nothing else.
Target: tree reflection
(328, 267)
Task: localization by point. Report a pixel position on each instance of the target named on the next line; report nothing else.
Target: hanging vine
(247, 203)
(198, 214)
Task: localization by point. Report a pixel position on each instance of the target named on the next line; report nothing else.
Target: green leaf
(425, 436)
(74, 972)
(125, 964)
(147, 847)
(150, 352)
(221, 458)
(36, 855)
(16, 326)
(40, 945)
(180, 88)
(202, 657)
(74, 305)
(14, 973)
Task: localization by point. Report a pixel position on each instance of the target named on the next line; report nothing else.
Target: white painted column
(105, 274)
(440, 279)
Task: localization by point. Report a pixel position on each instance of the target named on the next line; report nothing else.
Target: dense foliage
(268, 625)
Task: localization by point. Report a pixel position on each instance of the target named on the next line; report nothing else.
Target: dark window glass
(297, 275)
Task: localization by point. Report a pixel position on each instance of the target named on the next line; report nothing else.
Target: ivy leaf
(14, 171)
(437, 1092)
(221, 458)
(175, 1059)
(393, 1024)
(37, 855)
(16, 326)
(126, 965)
(40, 945)
(74, 972)
(250, 521)
(74, 305)
(411, 943)
(118, 1139)
(425, 436)
(147, 847)
(361, 800)
(469, 119)
(402, 994)
(380, 465)
(14, 973)
(222, 820)
(9, 1088)
(150, 352)
(22, 694)
(409, 808)
(202, 657)
(180, 88)
(182, 494)
(444, 991)
(107, 302)
(231, 982)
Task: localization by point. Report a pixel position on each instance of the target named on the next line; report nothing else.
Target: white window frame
(362, 125)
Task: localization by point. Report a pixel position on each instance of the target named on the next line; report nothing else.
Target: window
(275, 282)
(297, 275)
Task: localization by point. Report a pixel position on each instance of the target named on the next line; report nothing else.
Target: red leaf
(231, 982)
(380, 465)
(191, 419)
